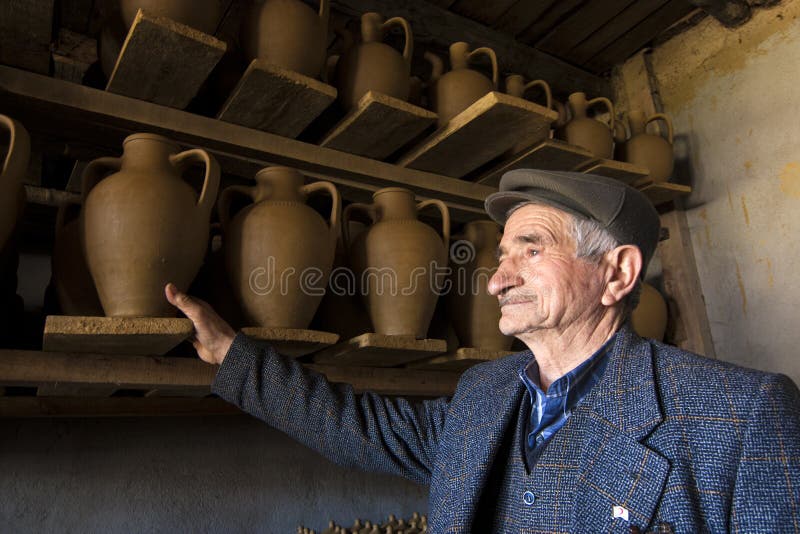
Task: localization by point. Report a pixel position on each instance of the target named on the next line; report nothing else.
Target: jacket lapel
(618, 475)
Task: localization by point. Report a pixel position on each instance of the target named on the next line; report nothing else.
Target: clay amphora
(287, 33)
(14, 167)
(71, 277)
(475, 313)
(144, 226)
(649, 319)
(516, 86)
(394, 261)
(649, 150)
(203, 15)
(372, 65)
(456, 90)
(278, 250)
(591, 134)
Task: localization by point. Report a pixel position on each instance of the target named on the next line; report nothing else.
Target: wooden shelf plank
(461, 359)
(379, 126)
(164, 62)
(26, 29)
(102, 120)
(549, 155)
(276, 100)
(619, 170)
(480, 133)
(378, 350)
(115, 335)
(663, 192)
(293, 342)
(73, 390)
(113, 407)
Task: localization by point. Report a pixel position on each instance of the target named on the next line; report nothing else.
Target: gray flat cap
(622, 210)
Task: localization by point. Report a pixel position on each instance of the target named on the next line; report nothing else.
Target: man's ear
(623, 266)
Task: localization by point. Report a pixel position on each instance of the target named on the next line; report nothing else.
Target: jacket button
(528, 498)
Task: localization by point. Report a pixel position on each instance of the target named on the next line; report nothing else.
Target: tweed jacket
(666, 438)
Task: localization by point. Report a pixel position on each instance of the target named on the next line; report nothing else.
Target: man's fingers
(182, 301)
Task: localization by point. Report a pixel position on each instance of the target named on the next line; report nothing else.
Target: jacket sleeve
(767, 492)
(369, 432)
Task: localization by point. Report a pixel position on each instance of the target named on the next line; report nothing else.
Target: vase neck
(395, 203)
(149, 153)
(279, 183)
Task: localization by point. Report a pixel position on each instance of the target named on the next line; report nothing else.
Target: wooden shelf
(550, 155)
(663, 192)
(293, 342)
(485, 130)
(460, 360)
(378, 350)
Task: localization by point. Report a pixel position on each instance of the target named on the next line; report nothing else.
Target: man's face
(539, 282)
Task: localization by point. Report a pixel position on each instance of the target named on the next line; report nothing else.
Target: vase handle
(95, 171)
(609, 107)
(548, 95)
(208, 195)
(336, 208)
(408, 48)
(666, 119)
(445, 217)
(485, 50)
(19, 147)
(225, 199)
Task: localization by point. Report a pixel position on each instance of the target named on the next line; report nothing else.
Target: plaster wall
(190, 474)
(734, 99)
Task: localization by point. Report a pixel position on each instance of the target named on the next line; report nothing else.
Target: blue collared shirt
(550, 410)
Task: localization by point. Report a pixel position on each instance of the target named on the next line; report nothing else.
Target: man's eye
(532, 252)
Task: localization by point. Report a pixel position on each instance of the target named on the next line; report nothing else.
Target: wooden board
(619, 170)
(74, 53)
(549, 155)
(460, 360)
(663, 192)
(115, 335)
(480, 133)
(276, 100)
(113, 407)
(580, 24)
(72, 390)
(377, 350)
(164, 62)
(26, 28)
(379, 126)
(482, 11)
(293, 341)
(522, 14)
(550, 19)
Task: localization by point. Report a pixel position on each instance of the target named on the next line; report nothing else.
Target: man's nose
(504, 278)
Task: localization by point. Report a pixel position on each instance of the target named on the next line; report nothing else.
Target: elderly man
(592, 429)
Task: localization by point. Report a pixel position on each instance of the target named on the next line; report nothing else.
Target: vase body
(649, 319)
(275, 244)
(586, 132)
(474, 313)
(372, 65)
(144, 226)
(203, 15)
(287, 33)
(651, 151)
(15, 165)
(459, 88)
(395, 259)
(71, 277)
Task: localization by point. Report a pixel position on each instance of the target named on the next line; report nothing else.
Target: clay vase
(456, 90)
(591, 134)
(71, 277)
(475, 314)
(372, 65)
(649, 150)
(12, 192)
(287, 33)
(203, 15)
(516, 86)
(278, 250)
(649, 319)
(394, 261)
(144, 226)
(620, 138)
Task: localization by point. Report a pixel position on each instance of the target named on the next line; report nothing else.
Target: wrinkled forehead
(531, 220)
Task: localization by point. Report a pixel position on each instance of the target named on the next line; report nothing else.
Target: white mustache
(515, 299)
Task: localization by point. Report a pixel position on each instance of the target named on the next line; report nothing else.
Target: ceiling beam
(434, 27)
(730, 13)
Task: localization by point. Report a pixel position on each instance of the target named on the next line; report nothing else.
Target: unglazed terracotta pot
(144, 226)
(372, 65)
(12, 192)
(71, 277)
(394, 261)
(516, 86)
(287, 33)
(584, 131)
(649, 150)
(475, 314)
(203, 15)
(649, 319)
(456, 90)
(278, 250)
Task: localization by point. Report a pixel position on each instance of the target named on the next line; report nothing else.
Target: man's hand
(213, 336)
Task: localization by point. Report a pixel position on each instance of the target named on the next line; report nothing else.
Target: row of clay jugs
(474, 313)
(12, 192)
(407, 251)
(649, 318)
(143, 225)
(287, 33)
(456, 90)
(203, 15)
(71, 277)
(581, 130)
(647, 150)
(372, 65)
(278, 250)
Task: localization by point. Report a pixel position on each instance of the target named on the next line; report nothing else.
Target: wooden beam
(113, 407)
(730, 13)
(436, 27)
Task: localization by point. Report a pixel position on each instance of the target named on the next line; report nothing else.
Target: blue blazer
(666, 438)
